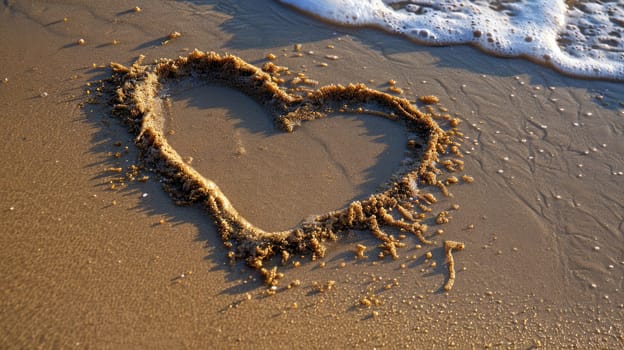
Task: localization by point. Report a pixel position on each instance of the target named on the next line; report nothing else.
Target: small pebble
(174, 35)
(144, 195)
(81, 41)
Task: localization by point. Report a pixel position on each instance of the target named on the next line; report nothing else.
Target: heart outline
(136, 102)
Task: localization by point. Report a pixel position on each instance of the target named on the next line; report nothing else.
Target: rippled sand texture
(95, 254)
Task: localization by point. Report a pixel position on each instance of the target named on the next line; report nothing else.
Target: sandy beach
(85, 264)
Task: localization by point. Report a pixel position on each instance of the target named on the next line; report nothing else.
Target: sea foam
(579, 38)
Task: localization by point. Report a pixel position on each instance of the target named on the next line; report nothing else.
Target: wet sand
(338, 160)
(87, 266)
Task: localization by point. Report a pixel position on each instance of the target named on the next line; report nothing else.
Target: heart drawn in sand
(137, 101)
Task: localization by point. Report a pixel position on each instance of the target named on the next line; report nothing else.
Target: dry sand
(85, 266)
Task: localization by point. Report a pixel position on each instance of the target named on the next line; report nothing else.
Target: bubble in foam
(580, 38)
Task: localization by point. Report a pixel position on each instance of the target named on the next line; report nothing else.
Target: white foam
(586, 39)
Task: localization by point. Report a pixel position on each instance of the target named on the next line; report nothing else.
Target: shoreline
(87, 266)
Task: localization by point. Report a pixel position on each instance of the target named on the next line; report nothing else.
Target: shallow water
(580, 38)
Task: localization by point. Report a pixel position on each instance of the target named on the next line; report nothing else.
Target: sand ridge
(136, 101)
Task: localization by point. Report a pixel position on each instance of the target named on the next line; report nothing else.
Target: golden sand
(137, 103)
(448, 249)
